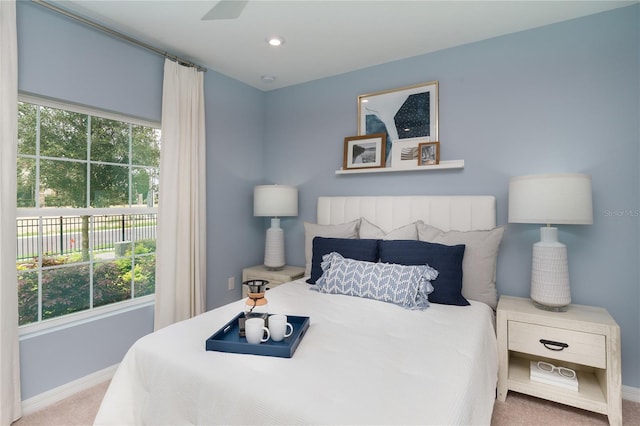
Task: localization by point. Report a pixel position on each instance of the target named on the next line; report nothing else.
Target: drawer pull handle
(553, 346)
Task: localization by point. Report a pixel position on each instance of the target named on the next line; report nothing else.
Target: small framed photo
(429, 153)
(364, 152)
(404, 153)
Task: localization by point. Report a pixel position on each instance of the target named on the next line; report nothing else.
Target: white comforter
(361, 362)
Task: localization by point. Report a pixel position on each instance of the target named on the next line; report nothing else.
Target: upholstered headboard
(458, 212)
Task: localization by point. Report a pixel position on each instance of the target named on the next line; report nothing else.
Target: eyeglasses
(563, 371)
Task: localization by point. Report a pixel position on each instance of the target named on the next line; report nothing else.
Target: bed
(362, 360)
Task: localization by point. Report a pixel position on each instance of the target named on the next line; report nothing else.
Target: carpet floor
(80, 410)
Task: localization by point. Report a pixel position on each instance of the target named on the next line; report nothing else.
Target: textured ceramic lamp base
(550, 288)
(274, 247)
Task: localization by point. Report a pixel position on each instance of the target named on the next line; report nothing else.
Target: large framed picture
(429, 153)
(364, 152)
(403, 113)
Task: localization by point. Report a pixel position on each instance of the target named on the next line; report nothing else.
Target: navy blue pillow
(447, 260)
(349, 248)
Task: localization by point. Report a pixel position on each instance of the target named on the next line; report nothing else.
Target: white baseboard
(631, 394)
(52, 396)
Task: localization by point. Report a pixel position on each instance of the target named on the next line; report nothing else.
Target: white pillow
(479, 262)
(312, 230)
(370, 231)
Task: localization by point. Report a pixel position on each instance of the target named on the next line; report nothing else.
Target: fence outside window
(63, 235)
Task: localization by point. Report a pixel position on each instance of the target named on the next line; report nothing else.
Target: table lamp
(275, 201)
(561, 198)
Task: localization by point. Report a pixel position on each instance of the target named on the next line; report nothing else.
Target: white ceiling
(323, 38)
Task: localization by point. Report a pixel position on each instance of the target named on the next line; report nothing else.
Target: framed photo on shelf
(404, 153)
(403, 113)
(429, 153)
(364, 152)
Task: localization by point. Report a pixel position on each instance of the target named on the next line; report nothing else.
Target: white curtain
(10, 404)
(181, 251)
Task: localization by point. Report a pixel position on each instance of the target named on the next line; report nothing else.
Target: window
(87, 203)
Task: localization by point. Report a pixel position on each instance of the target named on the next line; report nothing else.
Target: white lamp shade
(275, 200)
(561, 198)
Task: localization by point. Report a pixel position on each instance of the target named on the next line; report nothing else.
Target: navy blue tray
(228, 339)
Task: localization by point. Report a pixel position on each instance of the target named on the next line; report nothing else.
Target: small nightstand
(275, 278)
(593, 349)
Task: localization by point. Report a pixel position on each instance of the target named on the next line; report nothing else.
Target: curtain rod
(118, 35)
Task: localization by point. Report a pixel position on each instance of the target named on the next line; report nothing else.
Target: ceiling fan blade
(225, 9)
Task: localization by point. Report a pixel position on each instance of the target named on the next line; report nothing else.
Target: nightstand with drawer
(275, 278)
(584, 338)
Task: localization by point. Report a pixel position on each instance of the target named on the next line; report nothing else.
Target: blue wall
(562, 98)
(558, 98)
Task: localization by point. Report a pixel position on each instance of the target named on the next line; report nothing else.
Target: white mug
(254, 330)
(278, 326)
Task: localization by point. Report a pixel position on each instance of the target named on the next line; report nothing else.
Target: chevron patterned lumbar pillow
(407, 286)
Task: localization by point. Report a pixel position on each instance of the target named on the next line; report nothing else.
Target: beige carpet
(77, 410)
(81, 409)
(523, 410)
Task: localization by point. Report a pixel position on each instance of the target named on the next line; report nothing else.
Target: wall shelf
(451, 164)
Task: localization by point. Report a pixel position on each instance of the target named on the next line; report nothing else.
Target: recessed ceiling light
(268, 78)
(275, 41)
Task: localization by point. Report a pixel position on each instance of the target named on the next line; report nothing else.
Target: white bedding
(360, 362)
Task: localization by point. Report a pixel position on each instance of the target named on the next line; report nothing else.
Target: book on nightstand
(552, 377)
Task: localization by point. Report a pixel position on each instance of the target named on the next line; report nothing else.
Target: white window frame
(93, 313)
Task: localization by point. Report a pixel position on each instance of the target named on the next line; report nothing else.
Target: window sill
(29, 331)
